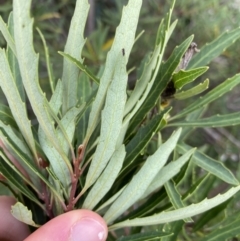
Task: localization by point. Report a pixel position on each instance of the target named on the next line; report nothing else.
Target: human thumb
(77, 225)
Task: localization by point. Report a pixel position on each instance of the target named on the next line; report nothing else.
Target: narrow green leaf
(178, 214)
(17, 107)
(144, 86)
(146, 81)
(165, 29)
(190, 117)
(142, 83)
(231, 217)
(207, 163)
(168, 172)
(84, 92)
(200, 183)
(15, 137)
(140, 140)
(66, 126)
(224, 233)
(193, 91)
(73, 47)
(85, 88)
(150, 206)
(212, 95)
(21, 213)
(6, 116)
(6, 34)
(80, 66)
(209, 215)
(28, 162)
(28, 63)
(140, 182)
(160, 33)
(49, 66)
(169, 15)
(18, 149)
(112, 116)
(213, 121)
(6, 133)
(124, 39)
(12, 175)
(214, 49)
(184, 77)
(53, 179)
(13, 62)
(147, 236)
(106, 180)
(175, 197)
(163, 77)
(56, 98)
(68, 123)
(55, 159)
(175, 228)
(110, 200)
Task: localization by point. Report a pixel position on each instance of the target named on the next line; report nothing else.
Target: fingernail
(87, 229)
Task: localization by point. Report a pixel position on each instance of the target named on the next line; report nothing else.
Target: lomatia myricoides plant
(90, 146)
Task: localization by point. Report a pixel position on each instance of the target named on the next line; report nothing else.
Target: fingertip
(10, 228)
(77, 225)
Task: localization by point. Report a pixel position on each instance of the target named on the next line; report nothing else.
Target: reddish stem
(75, 177)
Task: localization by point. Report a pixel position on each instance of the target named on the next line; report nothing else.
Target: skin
(77, 225)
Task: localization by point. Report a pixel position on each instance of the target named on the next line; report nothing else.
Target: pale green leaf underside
(111, 125)
(124, 39)
(68, 125)
(16, 105)
(56, 98)
(7, 35)
(59, 188)
(84, 90)
(168, 172)
(74, 46)
(106, 180)
(178, 214)
(28, 63)
(13, 62)
(21, 213)
(140, 182)
(57, 163)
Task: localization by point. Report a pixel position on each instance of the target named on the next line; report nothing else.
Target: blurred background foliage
(205, 19)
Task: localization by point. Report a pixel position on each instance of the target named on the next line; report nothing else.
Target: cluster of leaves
(90, 146)
(214, 19)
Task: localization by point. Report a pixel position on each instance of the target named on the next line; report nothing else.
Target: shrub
(97, 145)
